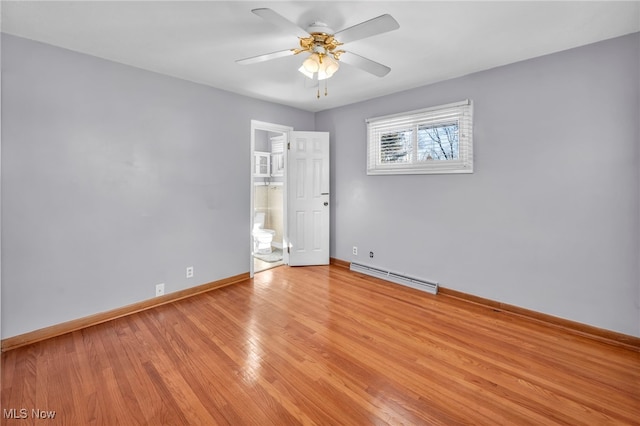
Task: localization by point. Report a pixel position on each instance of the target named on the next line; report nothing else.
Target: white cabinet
(262, 166)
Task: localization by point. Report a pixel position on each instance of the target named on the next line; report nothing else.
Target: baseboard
(607, 336)
(80, 323)
(603, 335)
(338, 262)
(600, 334)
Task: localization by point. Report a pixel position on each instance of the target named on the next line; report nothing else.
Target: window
(277, 156)
(431, 140)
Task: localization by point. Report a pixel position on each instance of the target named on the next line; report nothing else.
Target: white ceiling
(200, 41)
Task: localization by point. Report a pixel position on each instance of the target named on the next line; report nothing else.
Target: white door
(308, 198)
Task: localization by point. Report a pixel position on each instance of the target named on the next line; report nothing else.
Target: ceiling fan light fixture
(328, 67)
(303, 70)
(331, 66)
(319, 66)
(312, 63)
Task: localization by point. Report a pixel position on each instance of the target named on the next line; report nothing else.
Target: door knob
(326, 203)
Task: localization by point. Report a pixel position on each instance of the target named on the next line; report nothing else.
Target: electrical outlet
(371, 254)
(355, 250)
(159, 289)
(189, 271)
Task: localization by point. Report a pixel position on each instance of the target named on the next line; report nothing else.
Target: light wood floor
(322, 345)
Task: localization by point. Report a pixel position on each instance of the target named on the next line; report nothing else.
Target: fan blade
(265, 57)
(379, 25)
(280, 22)
(365, 64)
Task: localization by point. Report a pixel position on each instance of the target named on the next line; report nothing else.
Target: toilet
(261, 237)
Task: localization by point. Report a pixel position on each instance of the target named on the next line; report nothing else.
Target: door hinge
(288, 250)
(288, 145)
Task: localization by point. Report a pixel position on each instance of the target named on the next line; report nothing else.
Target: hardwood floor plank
(588, 363)
(323, 345)
(440, 354)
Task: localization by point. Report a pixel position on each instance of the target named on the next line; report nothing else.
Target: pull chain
(326, 92)
(325, 89)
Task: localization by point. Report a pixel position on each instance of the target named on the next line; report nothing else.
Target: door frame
(276, 128)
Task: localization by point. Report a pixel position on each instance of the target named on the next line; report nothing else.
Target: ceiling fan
(324, 46)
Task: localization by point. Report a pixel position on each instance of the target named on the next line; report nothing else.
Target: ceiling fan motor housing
(319, 27)
(320, 41)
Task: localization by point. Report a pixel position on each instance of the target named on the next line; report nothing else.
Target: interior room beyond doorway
(268, 200)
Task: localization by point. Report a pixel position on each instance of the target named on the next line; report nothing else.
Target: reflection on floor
(267, 261)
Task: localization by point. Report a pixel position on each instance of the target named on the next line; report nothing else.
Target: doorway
(268, 195)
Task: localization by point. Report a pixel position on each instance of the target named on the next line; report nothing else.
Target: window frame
(461, 112)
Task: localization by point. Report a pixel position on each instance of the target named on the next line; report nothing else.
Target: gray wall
(549, 221)
(0, 186)
(115, 179)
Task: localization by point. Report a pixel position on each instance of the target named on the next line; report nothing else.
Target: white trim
(418, 111)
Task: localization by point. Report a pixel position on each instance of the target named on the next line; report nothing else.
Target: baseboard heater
(395, 278)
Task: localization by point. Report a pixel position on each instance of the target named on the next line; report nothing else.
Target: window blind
(430, 140)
